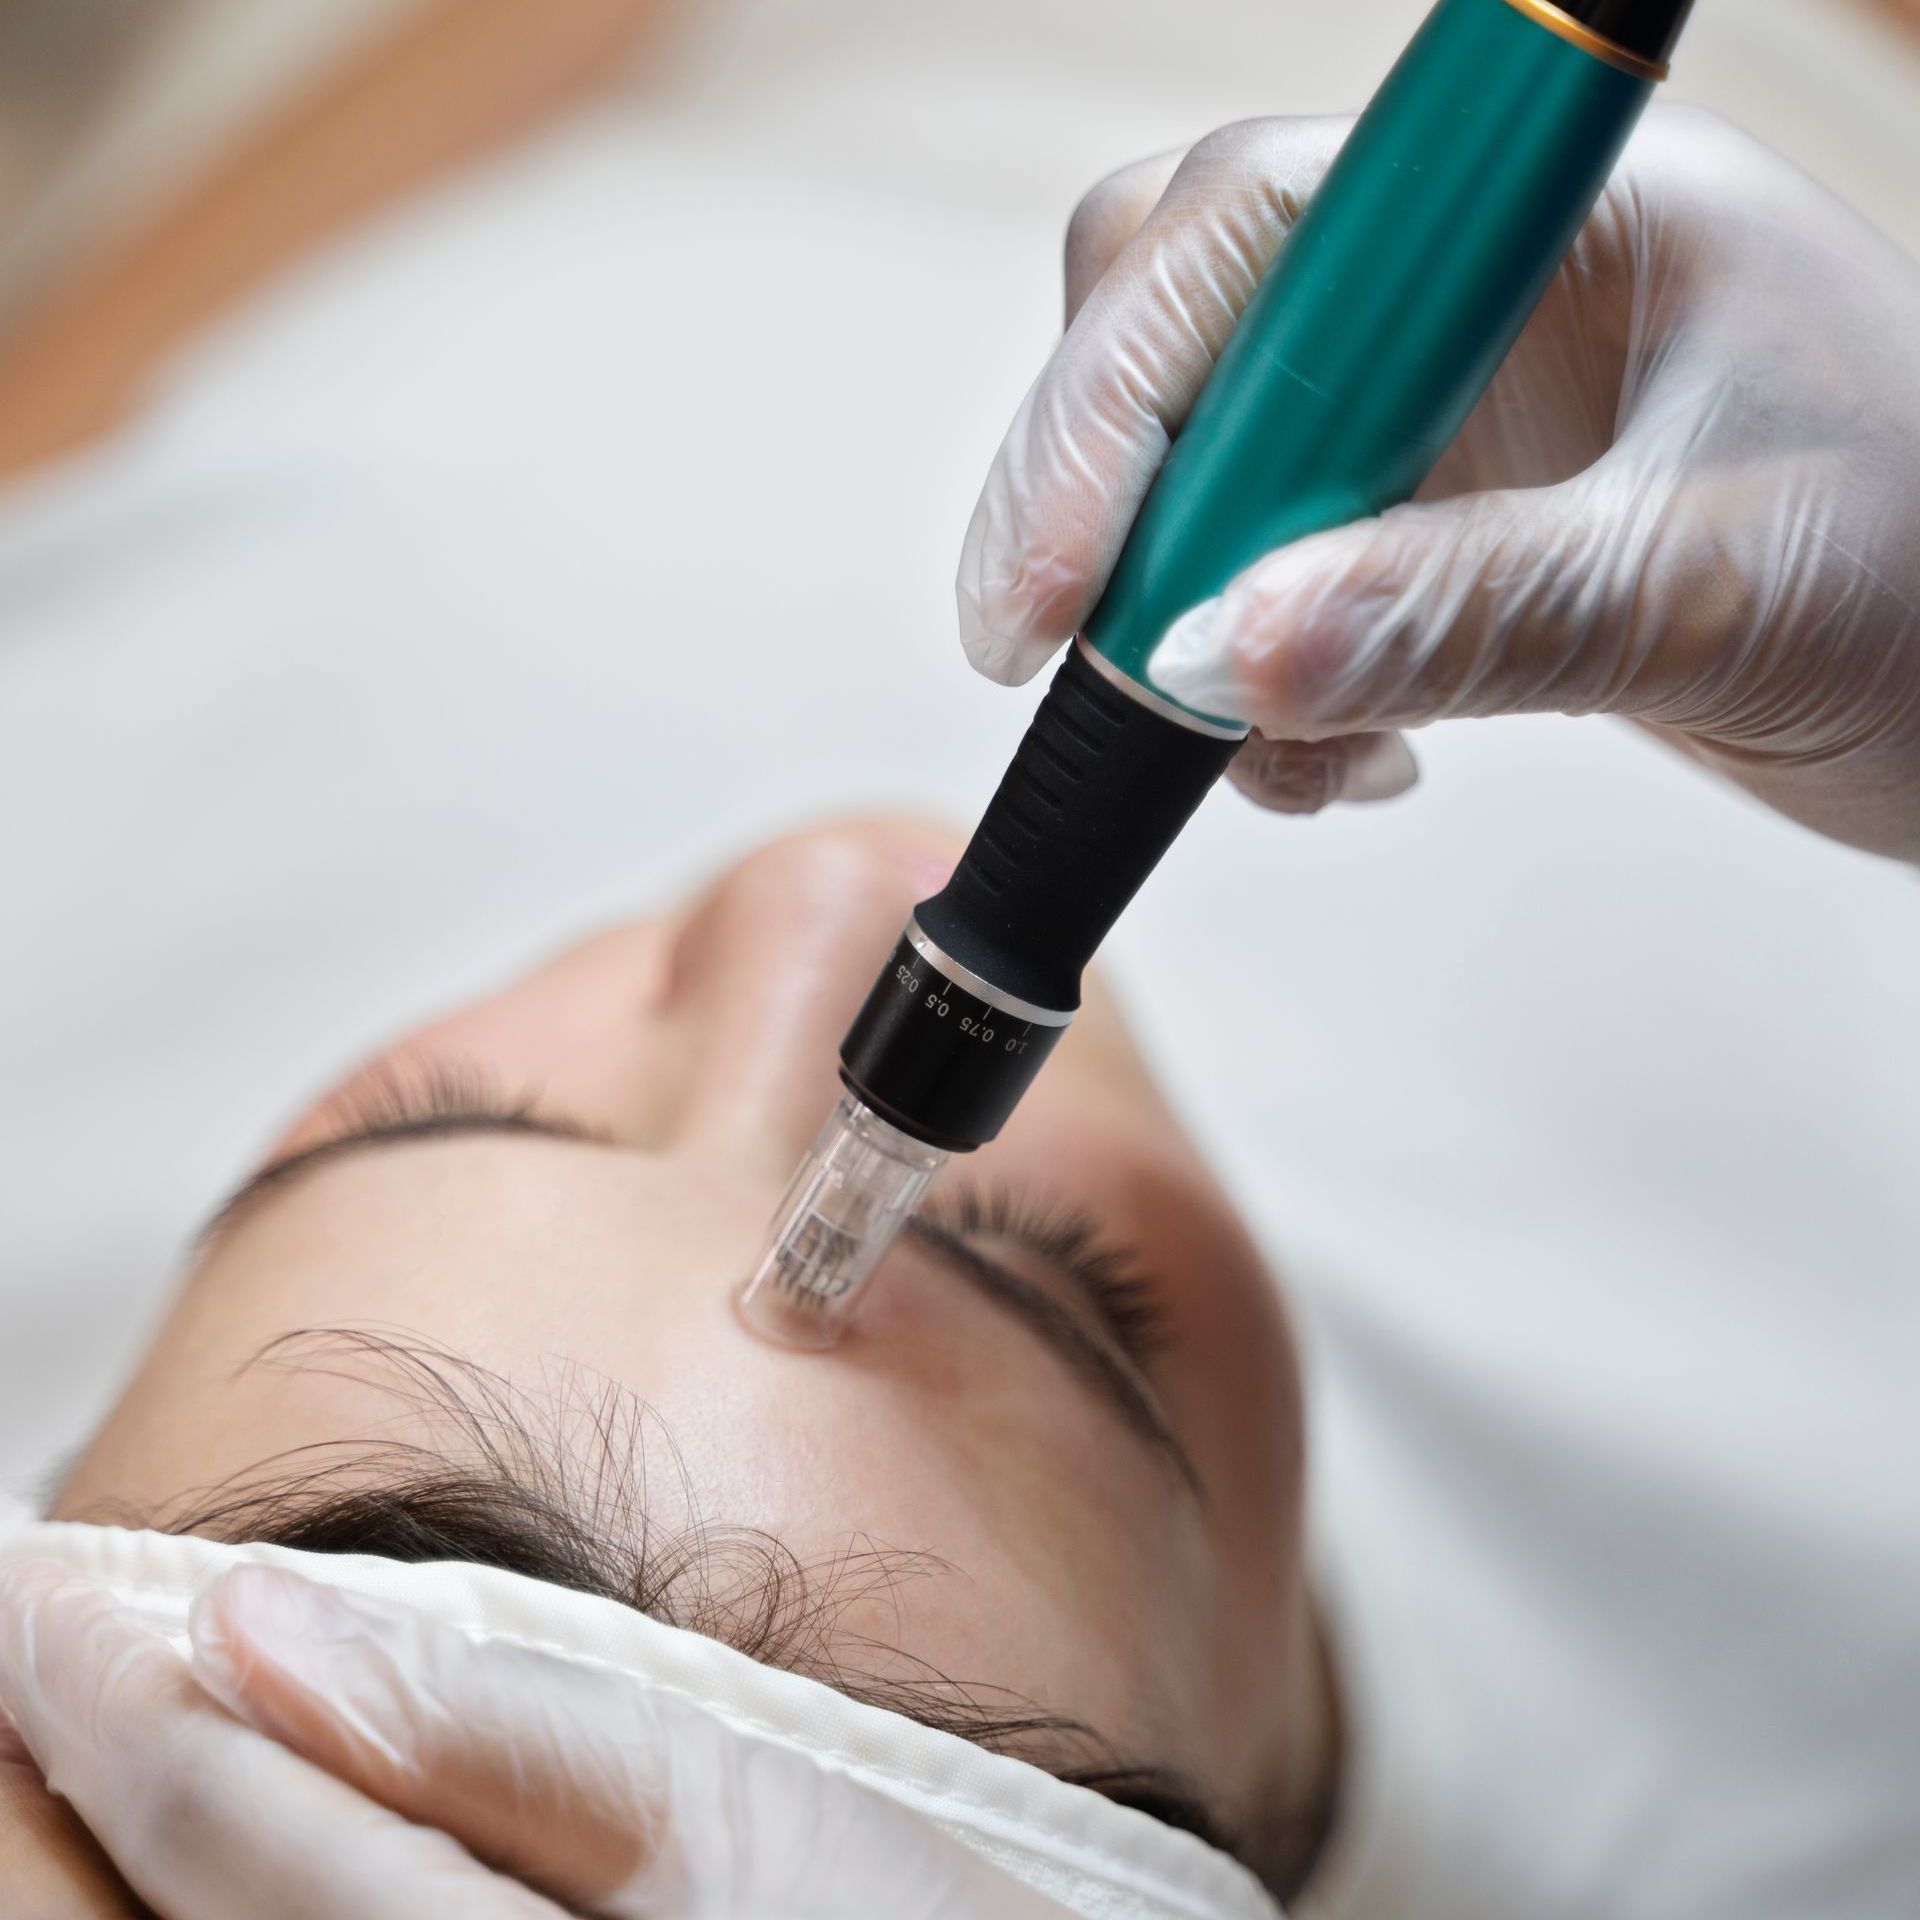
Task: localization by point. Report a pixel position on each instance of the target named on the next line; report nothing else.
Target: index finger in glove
(1092, 432)
(1110, 213)
(618, 1798)
(206, 1818)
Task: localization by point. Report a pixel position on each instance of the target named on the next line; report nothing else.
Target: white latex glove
(1692, 495)
(327, 1758)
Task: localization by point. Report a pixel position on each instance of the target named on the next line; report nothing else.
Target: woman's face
(1107, 1514)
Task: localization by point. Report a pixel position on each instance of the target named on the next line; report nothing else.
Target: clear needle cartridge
(854, 1192)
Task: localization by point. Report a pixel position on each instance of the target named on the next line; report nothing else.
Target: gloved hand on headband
(328, 1758)
(1691, 497)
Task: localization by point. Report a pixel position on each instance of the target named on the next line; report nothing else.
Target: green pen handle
(1391, 303)
(1380, 322)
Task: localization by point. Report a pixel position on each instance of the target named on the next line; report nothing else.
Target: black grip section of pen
(1099, 790)
(1097, 793)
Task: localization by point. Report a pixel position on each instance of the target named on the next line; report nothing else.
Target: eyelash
(423, 1094)
(1066, 1238)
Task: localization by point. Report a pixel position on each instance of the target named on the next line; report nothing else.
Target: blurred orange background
(163, 158)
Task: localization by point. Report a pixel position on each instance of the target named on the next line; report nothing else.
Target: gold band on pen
(1558, 21)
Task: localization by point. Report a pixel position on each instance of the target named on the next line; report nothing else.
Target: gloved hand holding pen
(1691, 497)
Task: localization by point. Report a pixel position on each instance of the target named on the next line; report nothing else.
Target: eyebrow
(1091, 1359)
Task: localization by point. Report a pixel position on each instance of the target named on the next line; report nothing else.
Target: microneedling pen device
(1382, 319)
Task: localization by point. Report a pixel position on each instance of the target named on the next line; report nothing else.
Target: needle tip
(846, 1206)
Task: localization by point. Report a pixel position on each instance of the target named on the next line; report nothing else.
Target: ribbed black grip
(1098, 791)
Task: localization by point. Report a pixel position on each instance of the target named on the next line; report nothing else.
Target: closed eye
(1069, 1240)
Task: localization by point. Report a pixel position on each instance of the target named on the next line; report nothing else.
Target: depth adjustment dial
(941, 1053)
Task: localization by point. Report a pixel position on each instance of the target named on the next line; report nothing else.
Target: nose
(771, 964)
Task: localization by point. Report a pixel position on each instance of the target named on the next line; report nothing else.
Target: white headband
(1096, 1859)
